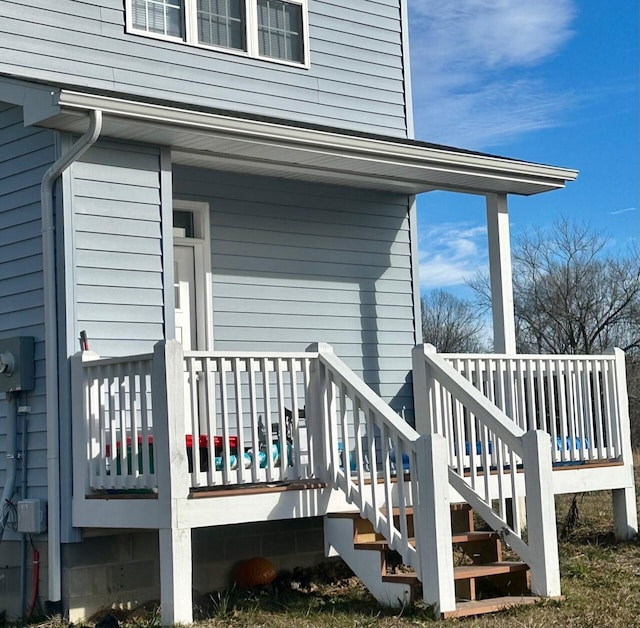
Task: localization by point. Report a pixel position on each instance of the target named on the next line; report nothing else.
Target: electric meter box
(32, 516)
(16, 364)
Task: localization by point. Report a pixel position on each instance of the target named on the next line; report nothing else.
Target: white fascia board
(354, 146)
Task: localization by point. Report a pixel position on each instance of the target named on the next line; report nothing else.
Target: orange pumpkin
(255, 572)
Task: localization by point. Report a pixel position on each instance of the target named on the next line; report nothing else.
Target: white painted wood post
(79, 426)
(170, 453)
(625, 515)
(541, 514)
(433, 533)
(317, 424)
(504, 330)
(421, 392)
(176, 576)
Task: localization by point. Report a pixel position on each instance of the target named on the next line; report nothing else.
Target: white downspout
(51, 346)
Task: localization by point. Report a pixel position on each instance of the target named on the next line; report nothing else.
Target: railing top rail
(367, 396)
(269, 355)
(142, 357)
(477, 403)
(529, 356)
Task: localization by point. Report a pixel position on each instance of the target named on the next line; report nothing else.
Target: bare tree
(451, 324)
(570, 295)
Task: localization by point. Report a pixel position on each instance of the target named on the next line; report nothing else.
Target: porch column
(504, 329)
(176, 603)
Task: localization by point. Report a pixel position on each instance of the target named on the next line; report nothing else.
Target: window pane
(280, 30)
(165, 17)
(221, 23)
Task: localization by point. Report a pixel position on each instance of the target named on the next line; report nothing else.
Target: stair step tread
(355, 514)
(463, 572)
(409, 577)
(490, 605)
(473, 536)
(458, 538)
(380, 544)
(488, 569)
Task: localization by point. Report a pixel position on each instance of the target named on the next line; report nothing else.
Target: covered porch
(178, 438)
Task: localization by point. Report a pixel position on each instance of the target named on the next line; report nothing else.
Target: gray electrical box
(32, 516)
(16, 364)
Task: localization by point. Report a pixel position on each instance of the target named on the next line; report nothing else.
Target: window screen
(159, 16)
(221, 23)
(280, 30)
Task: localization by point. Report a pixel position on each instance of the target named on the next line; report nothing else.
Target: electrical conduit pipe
(12, 461)
(51, 346)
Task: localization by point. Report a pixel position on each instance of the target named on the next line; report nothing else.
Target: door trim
(201, 245)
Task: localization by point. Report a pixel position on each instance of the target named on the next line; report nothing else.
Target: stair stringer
(338, 540)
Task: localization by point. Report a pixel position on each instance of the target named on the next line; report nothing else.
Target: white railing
(492, 460)
(572, 398)
(114, 440)
(246, 417)
(395, 477)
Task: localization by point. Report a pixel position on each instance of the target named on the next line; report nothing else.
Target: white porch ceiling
(274, 148)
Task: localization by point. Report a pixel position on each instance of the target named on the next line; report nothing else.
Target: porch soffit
(274, 148)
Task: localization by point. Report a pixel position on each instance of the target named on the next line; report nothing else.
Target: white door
(185, 296)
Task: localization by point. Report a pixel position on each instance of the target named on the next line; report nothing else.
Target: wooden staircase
(484, 582)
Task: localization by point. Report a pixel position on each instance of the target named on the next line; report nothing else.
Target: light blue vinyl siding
(296, 263)
(117, 248)
(25, 155)
(355, 80)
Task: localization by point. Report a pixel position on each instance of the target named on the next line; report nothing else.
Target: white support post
(625, 515)
(176, 604)
(173, 481)
(541, 514)
(422, 390)
(504, 331)
(169, 420)
(433, 534)
(316, 419)
(79, 419)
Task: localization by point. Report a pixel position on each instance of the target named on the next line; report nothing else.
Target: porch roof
(235, 142)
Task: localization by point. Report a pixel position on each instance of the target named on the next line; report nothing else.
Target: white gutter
(51, 346)
(273, 132)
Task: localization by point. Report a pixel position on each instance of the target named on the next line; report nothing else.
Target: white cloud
(471, 61)
(450, 253)
(626, 210)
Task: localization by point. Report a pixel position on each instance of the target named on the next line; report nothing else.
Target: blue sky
(550, 81)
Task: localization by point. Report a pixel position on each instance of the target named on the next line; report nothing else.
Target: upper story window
(271, 29)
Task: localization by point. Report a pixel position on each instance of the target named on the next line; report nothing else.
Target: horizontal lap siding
(297, 263)
(25, 155)
(119, 299)
(355, 79)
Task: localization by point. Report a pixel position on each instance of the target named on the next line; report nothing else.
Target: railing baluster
(610, 446)
(253, 410)
(386, 476)
(373, 467)
(239, 421)
(359, 435)
(224, 412)
(295, 420)
(344, 425)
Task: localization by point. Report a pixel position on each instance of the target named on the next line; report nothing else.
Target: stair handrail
(352, 413)
(485, 448)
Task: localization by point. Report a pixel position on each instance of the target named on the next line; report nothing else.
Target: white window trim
(201, 244)
(251, 32)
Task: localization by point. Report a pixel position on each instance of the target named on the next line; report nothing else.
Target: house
(209, 319)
